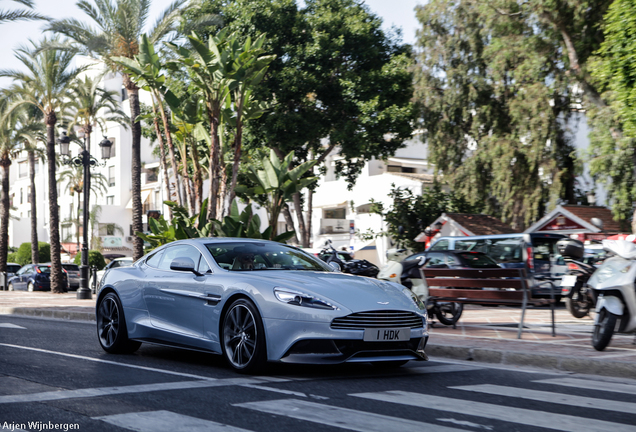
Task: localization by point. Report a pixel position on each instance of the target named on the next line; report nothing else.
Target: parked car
(35, 277)
(254, 301)
(536, 252)
(115, 263)
(73, 272)
(12, 269)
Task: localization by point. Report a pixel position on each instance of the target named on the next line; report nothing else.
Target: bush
(95, 258)
(23, 255)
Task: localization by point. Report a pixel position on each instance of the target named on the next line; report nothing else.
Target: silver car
(254, 301)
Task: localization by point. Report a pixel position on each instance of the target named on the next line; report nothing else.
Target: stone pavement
(483, 334)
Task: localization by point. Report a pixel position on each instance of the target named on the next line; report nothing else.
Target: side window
(203, 265)
(435, 259)
(177, 252)
(154, 259)
(451, 260)
(440, 245)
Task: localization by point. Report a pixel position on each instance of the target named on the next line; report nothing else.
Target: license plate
(387, 334)
(568, 281)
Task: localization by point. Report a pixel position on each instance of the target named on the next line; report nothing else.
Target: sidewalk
(483, 334)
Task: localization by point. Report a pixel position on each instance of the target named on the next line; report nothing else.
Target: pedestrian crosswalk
(461, 411)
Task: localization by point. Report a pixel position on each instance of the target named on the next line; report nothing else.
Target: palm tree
(74, 178)
(120, 24)
(46, 85)
(21, 14)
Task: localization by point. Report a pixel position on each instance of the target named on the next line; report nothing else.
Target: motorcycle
(407, 273)
(615, 287)
(579, 298)
(354, 266)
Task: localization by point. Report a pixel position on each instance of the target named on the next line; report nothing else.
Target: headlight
(419, 303)
(298, 298)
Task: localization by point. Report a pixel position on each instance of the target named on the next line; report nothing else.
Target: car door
(175, 299)
(20, 281)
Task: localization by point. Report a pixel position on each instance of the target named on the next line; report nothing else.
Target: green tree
(410, 214)
(23, 255)
(613, 136)
(95, 258)
(21, 14)
(120, 25)
(337, 76)
(496, 93)
(45, 85)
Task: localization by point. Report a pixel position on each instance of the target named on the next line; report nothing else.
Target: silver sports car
(255, 301)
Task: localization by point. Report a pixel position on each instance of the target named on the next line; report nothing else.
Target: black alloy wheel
(243, 337)
(111, 327)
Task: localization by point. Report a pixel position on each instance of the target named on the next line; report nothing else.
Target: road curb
(570, 364)
(52, 313)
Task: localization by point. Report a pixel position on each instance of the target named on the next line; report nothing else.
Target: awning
(144, 197)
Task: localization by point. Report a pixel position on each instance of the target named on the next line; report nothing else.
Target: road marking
(441, 369)
(9, 325)
(591, 385)
(165, 421)
(275, 390)
(523, 416)
(340, 417)
(108, 391)
(466, 423)
(149, 369)
(544, 396)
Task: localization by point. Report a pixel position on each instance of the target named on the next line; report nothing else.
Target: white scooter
(408, 274)
(615, 288)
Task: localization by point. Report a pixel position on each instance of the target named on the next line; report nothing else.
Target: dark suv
(35, 277)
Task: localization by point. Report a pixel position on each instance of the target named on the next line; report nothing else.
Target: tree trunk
(54, 209)
(5, 206)
(310, 204)
(137, 208)
(198, 179)
(186, 179)
(215, 150)
(162, 157)
(290, 223)
(173, 159)
(35, 250)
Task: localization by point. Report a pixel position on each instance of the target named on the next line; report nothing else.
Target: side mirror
(334, 266)
(184, 264)
(422, 261)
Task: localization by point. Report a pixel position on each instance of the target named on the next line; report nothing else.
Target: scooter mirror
(422, 261)
(334, 266)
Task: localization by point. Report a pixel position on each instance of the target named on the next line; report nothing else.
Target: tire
(449, 313)
(603, 331)
(10, 287)
(576, 304)
(111, 327)
(243, 337)
(30, 287)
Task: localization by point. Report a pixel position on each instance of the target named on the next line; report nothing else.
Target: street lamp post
(85, 160)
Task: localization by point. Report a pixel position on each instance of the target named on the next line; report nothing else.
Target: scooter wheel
(449, 313)
(604, 330)
(577, 304)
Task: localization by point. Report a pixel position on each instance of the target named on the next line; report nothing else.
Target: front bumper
(317, 343)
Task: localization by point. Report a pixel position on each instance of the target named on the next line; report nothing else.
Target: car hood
(356, 293)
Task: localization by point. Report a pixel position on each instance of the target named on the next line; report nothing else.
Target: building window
(29, 194)
(113, 148)
(111, 176)
(110, 200)
(23, 169)
(338, 213)
(400, 169)
(21, 195)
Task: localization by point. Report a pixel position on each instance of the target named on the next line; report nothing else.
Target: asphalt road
(54, 376)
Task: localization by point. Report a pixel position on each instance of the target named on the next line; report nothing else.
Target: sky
(399, 13)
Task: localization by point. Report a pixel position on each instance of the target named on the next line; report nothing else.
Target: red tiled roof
(480, 224)
(603, 213)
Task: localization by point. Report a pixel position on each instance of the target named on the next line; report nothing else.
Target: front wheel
(577, 304)
(30, 287)
(10, 287)
(449, 313)
(603, 330)
(111, 326)
(244, 337)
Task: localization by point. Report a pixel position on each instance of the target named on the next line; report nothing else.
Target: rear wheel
(244, 345)
(10, 287)
(604, 330)
(111, 326)
(449, 313)
(577, 304)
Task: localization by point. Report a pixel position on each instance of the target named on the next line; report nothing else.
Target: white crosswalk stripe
(559, 398)
(166, 421)
(341, 417)
(523, 416)
(591, 385)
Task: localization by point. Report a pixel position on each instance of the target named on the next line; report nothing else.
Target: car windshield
(13, 268)
(236, 256)
(71, 267)
(477, 260)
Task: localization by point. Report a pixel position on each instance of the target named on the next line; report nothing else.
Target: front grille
(378, 319)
